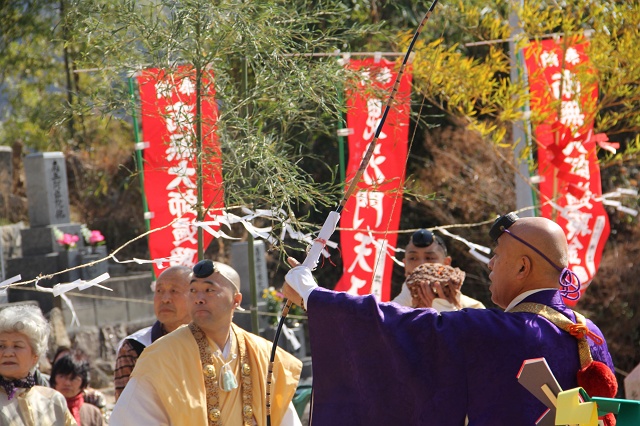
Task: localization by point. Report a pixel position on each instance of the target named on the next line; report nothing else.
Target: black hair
(74, 364)
(60, 351)
(441, 243)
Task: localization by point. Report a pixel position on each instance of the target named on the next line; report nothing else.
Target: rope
(581, 331)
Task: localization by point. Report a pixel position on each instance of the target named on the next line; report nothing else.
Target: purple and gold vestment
(383, 364)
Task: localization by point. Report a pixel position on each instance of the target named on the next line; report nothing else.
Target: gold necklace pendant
(211, 381)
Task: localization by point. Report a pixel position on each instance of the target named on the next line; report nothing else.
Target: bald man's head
(170, 297)
(530, 254)
(546, 236)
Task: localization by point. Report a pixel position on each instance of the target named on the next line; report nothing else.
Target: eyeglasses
(424, 238)
(204, 268)
(568, 280)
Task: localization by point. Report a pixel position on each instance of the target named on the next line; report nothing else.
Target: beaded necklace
(211, 382)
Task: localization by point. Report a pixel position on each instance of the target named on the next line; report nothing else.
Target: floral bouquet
(274, 305)
(68, 241)
(92, 238)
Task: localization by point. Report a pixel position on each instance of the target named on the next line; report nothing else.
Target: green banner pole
(139, 165)
(342, 124)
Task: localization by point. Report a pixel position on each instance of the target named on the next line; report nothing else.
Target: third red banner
(564, 95)
(372, 214)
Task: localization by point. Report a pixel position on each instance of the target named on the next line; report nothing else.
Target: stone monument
(6, 176)
(240, 262)
(6, 173)
(49, 215)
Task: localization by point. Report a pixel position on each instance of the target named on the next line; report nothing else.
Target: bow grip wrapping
(311, 261)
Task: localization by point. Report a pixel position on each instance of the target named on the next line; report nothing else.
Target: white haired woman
(24, 334)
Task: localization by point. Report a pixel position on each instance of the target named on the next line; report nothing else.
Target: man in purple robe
(382, 364)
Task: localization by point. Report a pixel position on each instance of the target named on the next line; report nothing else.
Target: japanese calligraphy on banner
(168, 107)
(567, 158)
(376, 205)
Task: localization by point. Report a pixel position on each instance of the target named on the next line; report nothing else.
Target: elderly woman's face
(16, 356)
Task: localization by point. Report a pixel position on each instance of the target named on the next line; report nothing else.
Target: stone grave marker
(47, 189)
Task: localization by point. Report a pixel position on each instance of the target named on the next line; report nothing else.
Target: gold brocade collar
(578, 329)
(211, 378)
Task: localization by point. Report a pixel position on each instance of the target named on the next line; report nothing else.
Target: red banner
(168, 106)
(377, 204)
(570, 183)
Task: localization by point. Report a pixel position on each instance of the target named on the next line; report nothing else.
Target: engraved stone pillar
(240, 262)
(6, 170)
(47, 191)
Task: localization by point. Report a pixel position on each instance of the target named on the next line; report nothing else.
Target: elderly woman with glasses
(24, 333)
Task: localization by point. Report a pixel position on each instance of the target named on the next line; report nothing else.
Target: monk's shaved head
(530, 254)
(545, 235)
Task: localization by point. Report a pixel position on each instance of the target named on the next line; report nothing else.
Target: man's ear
(524, 266)
(447, 260)
(237, 299)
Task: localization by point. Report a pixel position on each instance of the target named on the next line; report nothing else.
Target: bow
(331, 222)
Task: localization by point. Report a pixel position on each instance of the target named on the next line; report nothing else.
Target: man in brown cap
(210, 372)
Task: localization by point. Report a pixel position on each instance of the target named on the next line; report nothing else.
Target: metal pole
(255, 326)
(253, 287)
(524, 194)
(139, 165)
(341, 125)
(2, 277)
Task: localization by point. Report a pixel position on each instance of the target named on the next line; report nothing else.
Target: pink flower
(68, 241)
(96, 238)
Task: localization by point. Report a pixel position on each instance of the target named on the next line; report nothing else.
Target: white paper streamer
(4, 285)
(627, 210)
(472, 246)
(607, 202)
(95, 282)
(159, 261)
(627, 191)
(74, 316)
(482, 258)
(60, 289)
(386, 247)
(619, 192)
(227, 219)
(291, 336)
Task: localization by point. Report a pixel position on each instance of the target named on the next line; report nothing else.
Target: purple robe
(383, 364)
